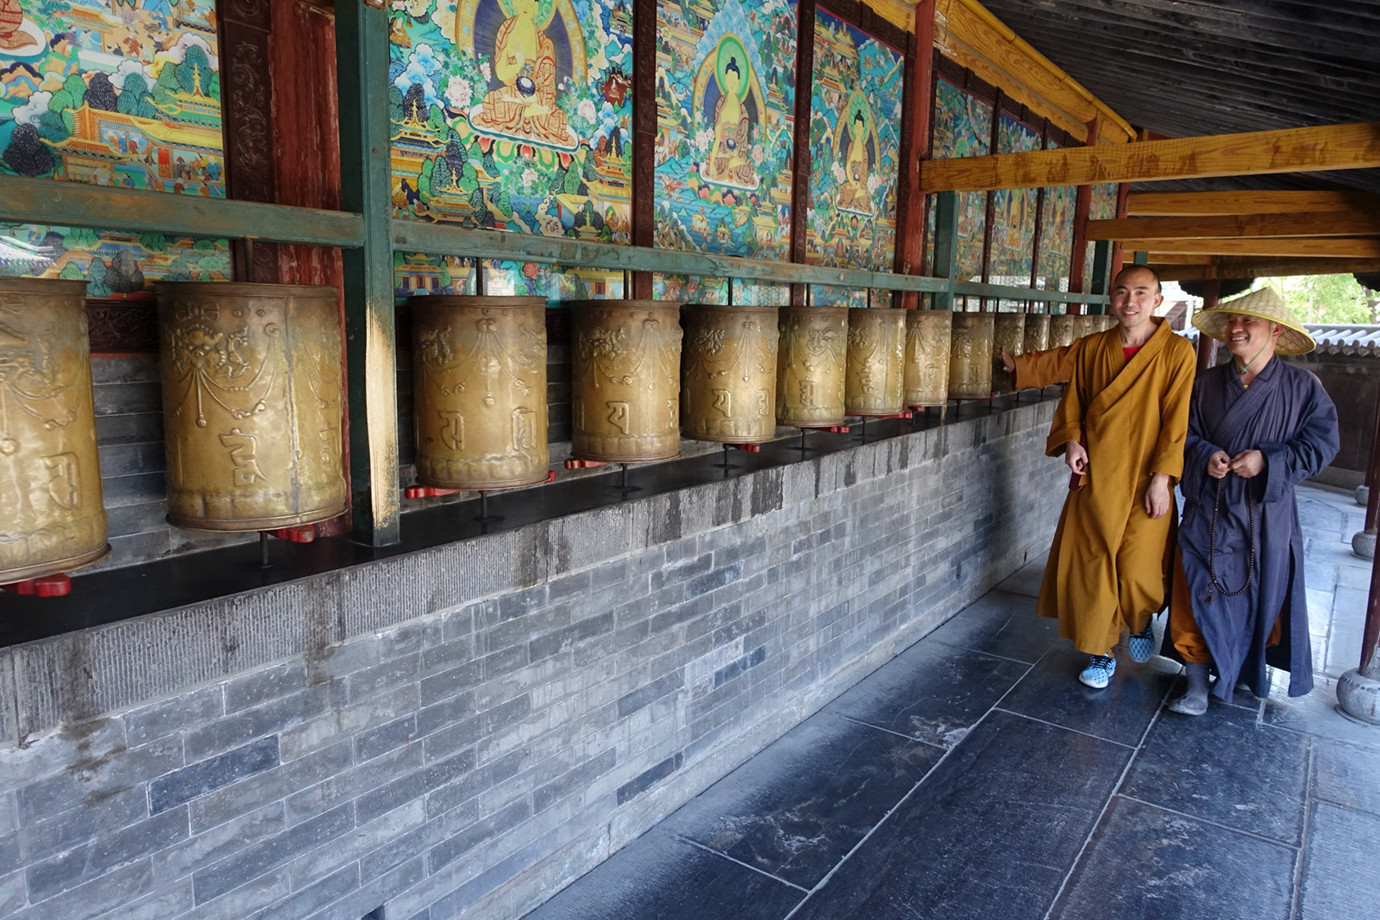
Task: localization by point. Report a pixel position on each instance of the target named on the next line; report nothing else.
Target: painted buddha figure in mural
(854, 195)
(12, 36)
(524, 61)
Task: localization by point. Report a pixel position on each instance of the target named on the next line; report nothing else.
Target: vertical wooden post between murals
(644, 106)
(1081, 209)
(990, 206)
(1118, 254)
(1039, 217)
(917, 101)
(800, 190)
(371, 337)
(945, 245)
(245, 27)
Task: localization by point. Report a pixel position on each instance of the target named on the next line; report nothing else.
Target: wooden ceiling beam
(1350, 146)
(1249, 226)
(1264, 268)
(1207, 204)
(1179, 258)
(1304, 248)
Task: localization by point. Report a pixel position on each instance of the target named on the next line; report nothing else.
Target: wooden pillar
(1039, 217)
(989, 213)
(245, 27)
(361, 33)
(1082, 206)
(800, 166)
(916, 104)
(1207, 345)
(1118, 256)
(644, 117)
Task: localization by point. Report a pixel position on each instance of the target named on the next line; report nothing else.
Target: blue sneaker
(1141, 645)
(1099, 671)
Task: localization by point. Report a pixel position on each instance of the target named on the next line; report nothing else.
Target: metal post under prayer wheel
(811, 366)
(51, 516)
(1062, 330)
(251, 404)
(970, 356)
(926, 371)
(1036, 332)
(626, 376)
(874, 379)
(480, 369)
(1008, 332)
(728, 373)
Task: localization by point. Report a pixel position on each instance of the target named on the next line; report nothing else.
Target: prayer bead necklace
(1212, 543)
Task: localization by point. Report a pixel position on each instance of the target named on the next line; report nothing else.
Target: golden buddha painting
(855, 148)
(17, 34)
(530, 50)
(727, 91)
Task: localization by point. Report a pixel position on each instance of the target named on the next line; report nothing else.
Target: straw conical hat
(1266, 304)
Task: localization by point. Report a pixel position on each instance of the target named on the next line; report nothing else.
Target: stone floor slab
(1317, 714)
(1225, 768)
(1339, 877)
(1001, 624)
(1347, 776)
(1027, 579)
(798, 807)
(990, 833)
(931, 692)
(658, 876)
(1145, 862)
(1120, 712)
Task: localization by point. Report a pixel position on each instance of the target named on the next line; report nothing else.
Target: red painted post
(1207, 345)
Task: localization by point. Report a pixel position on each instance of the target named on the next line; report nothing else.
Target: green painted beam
(440, 239)
(977, 289)
(71, 204)
(371, 347)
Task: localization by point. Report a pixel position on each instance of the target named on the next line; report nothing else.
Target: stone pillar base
(1359, 697)
(1363, 544)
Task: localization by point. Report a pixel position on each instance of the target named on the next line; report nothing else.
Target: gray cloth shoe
(1194, 702)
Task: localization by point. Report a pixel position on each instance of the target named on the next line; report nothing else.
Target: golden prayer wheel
(626, 376)
(728, 373)
(51, 517)
(875, 378)
(811, 366)
(251, 404)
(1088, 324)
(480, 391)
(1062, 330)
(926, 370)
(1008, 332)
(970, 356)
(1108, 322)
(1036, 332)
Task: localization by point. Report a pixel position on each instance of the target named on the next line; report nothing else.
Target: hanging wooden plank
(1258, 226)
(1337, 248)
(1350, 146)
(1190, 204)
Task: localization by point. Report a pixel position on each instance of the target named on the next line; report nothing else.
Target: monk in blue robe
(1257, 427)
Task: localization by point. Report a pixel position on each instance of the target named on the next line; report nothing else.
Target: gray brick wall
(462, 731)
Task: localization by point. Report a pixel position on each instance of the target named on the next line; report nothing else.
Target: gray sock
(1194, 702)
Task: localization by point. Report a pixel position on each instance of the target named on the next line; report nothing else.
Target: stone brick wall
(460, 732)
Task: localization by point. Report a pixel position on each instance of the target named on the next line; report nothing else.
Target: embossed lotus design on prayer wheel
(926, 370)
(51, 517)
(1062, 330)
(970, 356)
(626, 376)
(875, 379)
(1008, 331)
(811, 366)
(251, 404)
(728, 373)
(480, 391)
(1087, 324)
(1036, 332)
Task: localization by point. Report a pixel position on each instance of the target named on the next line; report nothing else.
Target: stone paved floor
(972, 777)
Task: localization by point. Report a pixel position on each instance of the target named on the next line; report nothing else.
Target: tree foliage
(1327, 298)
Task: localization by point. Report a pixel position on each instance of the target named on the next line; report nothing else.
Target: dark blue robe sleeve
(1197, 485)
(1309, 451)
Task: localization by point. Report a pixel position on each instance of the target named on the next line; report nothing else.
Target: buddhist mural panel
(1102, 207)
(725, 92)
(513, 115)
(855, 147)
(112, 93)
(1056, 237)
(963, 128)
(1013, 215)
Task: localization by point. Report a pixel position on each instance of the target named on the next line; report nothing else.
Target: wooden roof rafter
(1245, 267)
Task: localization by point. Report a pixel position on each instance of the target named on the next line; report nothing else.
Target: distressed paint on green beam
(411, 236)
(69, 204)
(977, 289)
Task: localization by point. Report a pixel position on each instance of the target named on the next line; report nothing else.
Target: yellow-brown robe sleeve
(1045, 368)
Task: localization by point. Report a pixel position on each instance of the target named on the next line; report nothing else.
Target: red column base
(47, 586)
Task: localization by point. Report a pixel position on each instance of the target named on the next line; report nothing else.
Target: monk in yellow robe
(1120, 427)
(525, 63)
